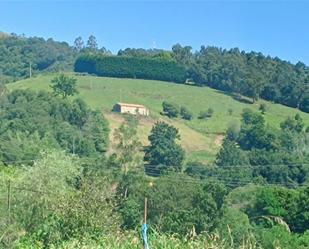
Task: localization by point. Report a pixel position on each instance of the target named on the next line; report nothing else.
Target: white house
(131, 109)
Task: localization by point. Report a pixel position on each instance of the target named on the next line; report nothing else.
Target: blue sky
(276, 28)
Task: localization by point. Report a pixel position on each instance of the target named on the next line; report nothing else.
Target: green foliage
(175, 205)
(163, 148)
(182, 55)
(17, 52)
(150, 53)
(33, 121)
(185, 113)
(291, 124)
(34, 210)
(64, 85)
(277, 157)
(92, 43)
(231, 155)
(288, 206)
(232, 132)
(263, 108)
(131, 67)
(278, 237)
(130, 240)
(207, 114)
(78, 44)
(128, 148)
(131, 190)
(235, 226)
(52, 202)
(250, 74)
(254, 134)
(169, 109)
(101, 92)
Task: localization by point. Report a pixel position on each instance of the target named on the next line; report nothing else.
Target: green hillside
(200, 138)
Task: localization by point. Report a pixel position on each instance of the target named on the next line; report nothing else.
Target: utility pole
(145, 210)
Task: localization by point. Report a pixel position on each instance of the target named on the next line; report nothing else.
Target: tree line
(131, 67)
(251, 74)
(20, 54)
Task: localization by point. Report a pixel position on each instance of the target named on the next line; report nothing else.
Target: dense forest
(18, 54)
(32, 121)
(251, 74)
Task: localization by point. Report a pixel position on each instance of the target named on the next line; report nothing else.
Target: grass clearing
(200, 138)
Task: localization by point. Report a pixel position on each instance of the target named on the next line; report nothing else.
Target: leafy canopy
(163, 148)
(64, 86)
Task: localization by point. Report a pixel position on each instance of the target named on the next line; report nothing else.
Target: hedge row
(131, 67)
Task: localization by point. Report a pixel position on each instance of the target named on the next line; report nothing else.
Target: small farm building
(131, 109)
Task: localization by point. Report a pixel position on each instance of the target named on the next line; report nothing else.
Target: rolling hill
(200, 138)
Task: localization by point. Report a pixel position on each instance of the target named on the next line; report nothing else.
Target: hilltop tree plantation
(131, 67)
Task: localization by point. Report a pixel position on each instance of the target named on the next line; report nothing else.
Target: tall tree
(128, 148)
(79, 43)
(163, 149)
(92, 43)
(64, 85)
(182, 55)
(231, 155)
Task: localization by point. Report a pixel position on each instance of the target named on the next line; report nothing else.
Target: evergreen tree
(169, 109)
(231, 155)
(163, 149)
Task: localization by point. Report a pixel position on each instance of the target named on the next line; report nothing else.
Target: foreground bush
(132, 241)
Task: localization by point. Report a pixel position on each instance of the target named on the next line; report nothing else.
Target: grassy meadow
(200, 138)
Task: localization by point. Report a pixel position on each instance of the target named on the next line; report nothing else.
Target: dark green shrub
(263, 108)
(206, 114)
(185, 113)
(170, 109)
(131, 67)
